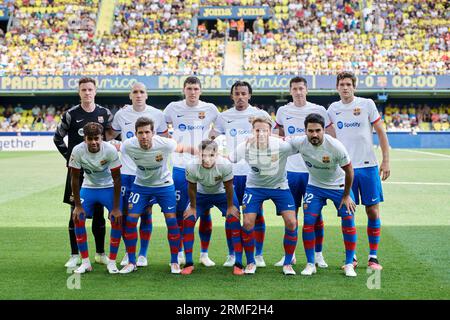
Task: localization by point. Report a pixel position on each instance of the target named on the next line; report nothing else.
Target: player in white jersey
(290, 120)
(101, 185)
(150, 154)
(211, 184)
(235, 125)
(123, 124)
(330, 177)
(191, 120)
(354, 119)
(267, 179)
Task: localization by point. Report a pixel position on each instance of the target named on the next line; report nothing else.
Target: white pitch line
(419, 183)
(424, 152)
(418, 159)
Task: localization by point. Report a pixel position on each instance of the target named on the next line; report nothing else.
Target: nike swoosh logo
(338, 113)
(79, 120)
(178, 116)
(170, 208)
(289, 118)
(137, 158)
(374, 199)
(290, 205)
(230, 121)
(127, 123)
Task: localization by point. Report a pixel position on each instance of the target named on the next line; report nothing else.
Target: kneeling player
(330, 177)
(267, 180)
(150, 154)
(211, 175)
(101, 165)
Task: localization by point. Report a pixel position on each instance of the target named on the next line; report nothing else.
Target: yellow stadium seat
(437, 126)
(425, 126)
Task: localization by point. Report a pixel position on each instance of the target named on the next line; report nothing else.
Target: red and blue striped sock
(145, 233)
(114, 243)
(188, 237)
(130, 237)
(309, 236)
(248, 242)
(235, 234)
(180, 229)
(229, 236)
(80, 234)
(374, 231)
(205, 231)
(289, 243)
(174, 237)
(349, 233)
(318, 230)
(260, 232)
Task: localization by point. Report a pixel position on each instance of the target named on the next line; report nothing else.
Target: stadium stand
(421, 117)
(150, 37)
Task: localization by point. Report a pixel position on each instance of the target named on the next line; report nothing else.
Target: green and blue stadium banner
(11, 84)
(4, 13)
(235, 12)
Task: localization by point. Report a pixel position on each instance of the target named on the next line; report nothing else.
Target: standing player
(267, 179)
(123, 124)
(290, 122)
(330, 177)
(235, 124)
(150, 154)
(354, 119)
(71, 125)
(191, 119)
(101, 185)
(211, 184)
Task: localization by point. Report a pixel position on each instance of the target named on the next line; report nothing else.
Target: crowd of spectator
(152, 37)
(148, 37)
(49, 37)
(417, 117)
(397, 117)
(325, 37)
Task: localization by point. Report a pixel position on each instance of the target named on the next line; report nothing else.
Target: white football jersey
(267, 166)
(151, 164)
(96, 166)
(236, 126)
(292, 119)
(190, 126)
(354, 128)
(124, 121)
(209, 181)
(324, 162)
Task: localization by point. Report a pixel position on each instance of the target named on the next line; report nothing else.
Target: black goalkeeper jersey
(72, 123)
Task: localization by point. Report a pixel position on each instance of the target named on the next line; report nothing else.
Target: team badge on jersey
(159, 157)
(305, 206)
(357, 111)
(103, 162)
(130, 206)
(275, 157)
(100, 119)
(218, 178)
(326, 159)
(201, 115)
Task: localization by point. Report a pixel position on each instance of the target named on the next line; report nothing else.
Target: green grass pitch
(414, 248)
